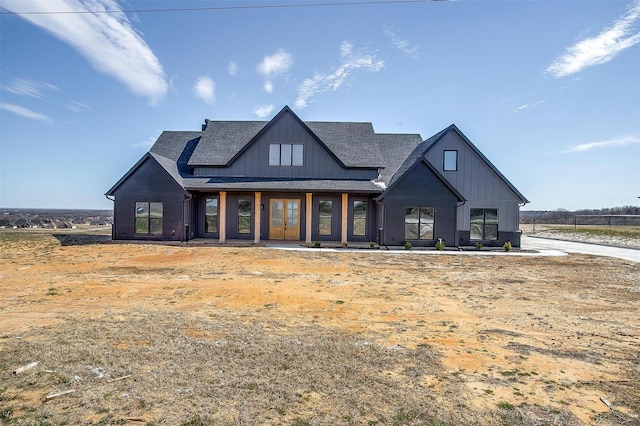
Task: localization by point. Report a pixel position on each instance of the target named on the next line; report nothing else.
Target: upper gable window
(450, 161)
(285, 154)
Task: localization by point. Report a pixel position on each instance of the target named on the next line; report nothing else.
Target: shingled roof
(354, 144)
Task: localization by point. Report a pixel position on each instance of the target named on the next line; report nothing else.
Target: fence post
(575, 222)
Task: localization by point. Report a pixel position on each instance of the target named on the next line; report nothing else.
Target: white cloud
(263, 111)
(528, 105)
(106, 40)
(401, 43)
(232, 68)
(278, 63)
(622, 141)
(26, 87)
(601, 48)
(75, 106)
(273, 65)
(205, 89)
(332, 81)
(25, 112)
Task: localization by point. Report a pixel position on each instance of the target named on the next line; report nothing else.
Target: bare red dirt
(553, 332)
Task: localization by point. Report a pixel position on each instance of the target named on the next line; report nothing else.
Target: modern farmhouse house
(287, 179)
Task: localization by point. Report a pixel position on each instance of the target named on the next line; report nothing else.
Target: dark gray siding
(149, 183)
(318, 163)
(420, 188)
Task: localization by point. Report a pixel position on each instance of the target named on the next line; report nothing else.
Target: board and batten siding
(420, 187)
(318, 163)
(477, 182)
(149, 183)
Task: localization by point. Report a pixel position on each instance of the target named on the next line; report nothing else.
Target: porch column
(308, 217)
(258, 215)
(222, 217)
(345, 220)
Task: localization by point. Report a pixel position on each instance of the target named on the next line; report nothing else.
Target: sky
(549, 91)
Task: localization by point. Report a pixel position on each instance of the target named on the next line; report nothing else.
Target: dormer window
(285, 154)
(450, 161)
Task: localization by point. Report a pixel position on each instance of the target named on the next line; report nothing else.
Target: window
(418, 223)
(324, 217)
(211, 216)
(484, 224)
(450, 161)
(283, 154)
(244, 216)
(360, 218)
(148, 218)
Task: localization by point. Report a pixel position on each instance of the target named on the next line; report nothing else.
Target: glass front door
(284, 221)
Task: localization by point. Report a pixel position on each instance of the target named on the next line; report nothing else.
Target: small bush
(440, 244)
(372, 245)
(478, 246)
(408, 246)
(317, 244)
(506, 406)
(507, 246)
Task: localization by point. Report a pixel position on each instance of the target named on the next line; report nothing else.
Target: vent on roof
(206, 123)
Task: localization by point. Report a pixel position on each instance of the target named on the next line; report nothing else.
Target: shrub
(317, 244)
(478, 246)
(372, 245)
(440, 244)
(408, 246)
(507, 246)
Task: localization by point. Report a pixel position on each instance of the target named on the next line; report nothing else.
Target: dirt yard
(162, 334)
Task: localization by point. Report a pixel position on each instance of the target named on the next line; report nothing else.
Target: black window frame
(153, 225)
(326, 216)
(242, 218)
(216, 215)
(355, 218)
(418, 232)
(490, 231)
(444, 160)
(286, 159)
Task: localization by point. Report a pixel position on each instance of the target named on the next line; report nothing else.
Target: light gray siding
(477, 182)
(318, 163)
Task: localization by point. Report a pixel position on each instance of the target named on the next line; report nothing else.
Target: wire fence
(608, 220)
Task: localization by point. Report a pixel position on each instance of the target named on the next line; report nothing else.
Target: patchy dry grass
(153, 334)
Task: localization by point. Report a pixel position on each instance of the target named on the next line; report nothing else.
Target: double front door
(285, 219)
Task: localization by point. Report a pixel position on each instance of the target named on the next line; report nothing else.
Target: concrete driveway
(543, 244)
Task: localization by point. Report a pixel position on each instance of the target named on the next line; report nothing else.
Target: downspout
(457, 231)
(185, 234)
(381, 230)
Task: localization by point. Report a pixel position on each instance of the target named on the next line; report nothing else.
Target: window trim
(353, 217)
(148, 218)
(484, 224)
(329, 217)
(291, 156)
(217, 215)
(241, 229)
(444, 160)
(419, 223)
